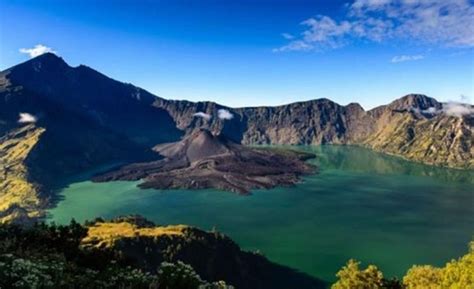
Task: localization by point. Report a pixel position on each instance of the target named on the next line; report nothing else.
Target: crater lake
(360, 204)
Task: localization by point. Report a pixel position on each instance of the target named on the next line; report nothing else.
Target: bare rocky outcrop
(414, 127)
(311, 122)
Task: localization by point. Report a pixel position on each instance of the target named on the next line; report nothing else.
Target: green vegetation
(350, 276)
(50, 256)
(457, 274)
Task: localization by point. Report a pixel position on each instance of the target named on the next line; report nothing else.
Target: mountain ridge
(90, 120)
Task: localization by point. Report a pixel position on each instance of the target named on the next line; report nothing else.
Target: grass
(106, 234)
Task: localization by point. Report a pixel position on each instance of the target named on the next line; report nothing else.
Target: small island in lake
(203, 160)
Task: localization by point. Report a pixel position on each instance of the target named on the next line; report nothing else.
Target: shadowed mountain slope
(118, 106)
(86, 120)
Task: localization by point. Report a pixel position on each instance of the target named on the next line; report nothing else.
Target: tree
(457, 274)
(351, 277)
(423, 277)
(178, 276)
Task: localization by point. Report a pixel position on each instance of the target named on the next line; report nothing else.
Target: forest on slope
(131, 252)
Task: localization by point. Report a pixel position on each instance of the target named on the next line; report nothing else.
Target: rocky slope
(421, 129)
(443, 141)
(312, 122)
(203, 160)
(415, 127)
(19, 199)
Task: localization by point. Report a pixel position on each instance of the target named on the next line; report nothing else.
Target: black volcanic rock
(203, 160)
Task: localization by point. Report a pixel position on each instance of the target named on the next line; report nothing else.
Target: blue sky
(248, 53)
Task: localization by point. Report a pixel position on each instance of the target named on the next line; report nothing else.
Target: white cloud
(37, 50)
(431, 110)
(374, 4)
(404, 58)
(321, 32)
(450, 108)
(26, 118)
(432, 22)
(287, 36)
(224, 114)
(458, 109)
(203, 115)
(298, 45)
(325, 31)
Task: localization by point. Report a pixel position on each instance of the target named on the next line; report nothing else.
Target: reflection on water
(362, 160)
(362, 204)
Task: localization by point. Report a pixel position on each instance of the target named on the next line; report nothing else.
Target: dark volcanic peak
(46, 61)
(197, 146)
(49, 75)
(203, 160)
(47, 84)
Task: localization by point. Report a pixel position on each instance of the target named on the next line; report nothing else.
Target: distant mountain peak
(45, 62)
(49, 56)
(417, 101)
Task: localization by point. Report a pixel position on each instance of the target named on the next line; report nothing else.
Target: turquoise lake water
(372, 207)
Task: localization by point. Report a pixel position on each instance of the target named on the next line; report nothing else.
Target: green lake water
(363, 205)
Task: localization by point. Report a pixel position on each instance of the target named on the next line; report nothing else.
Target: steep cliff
(415, 127)
(312, 122)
